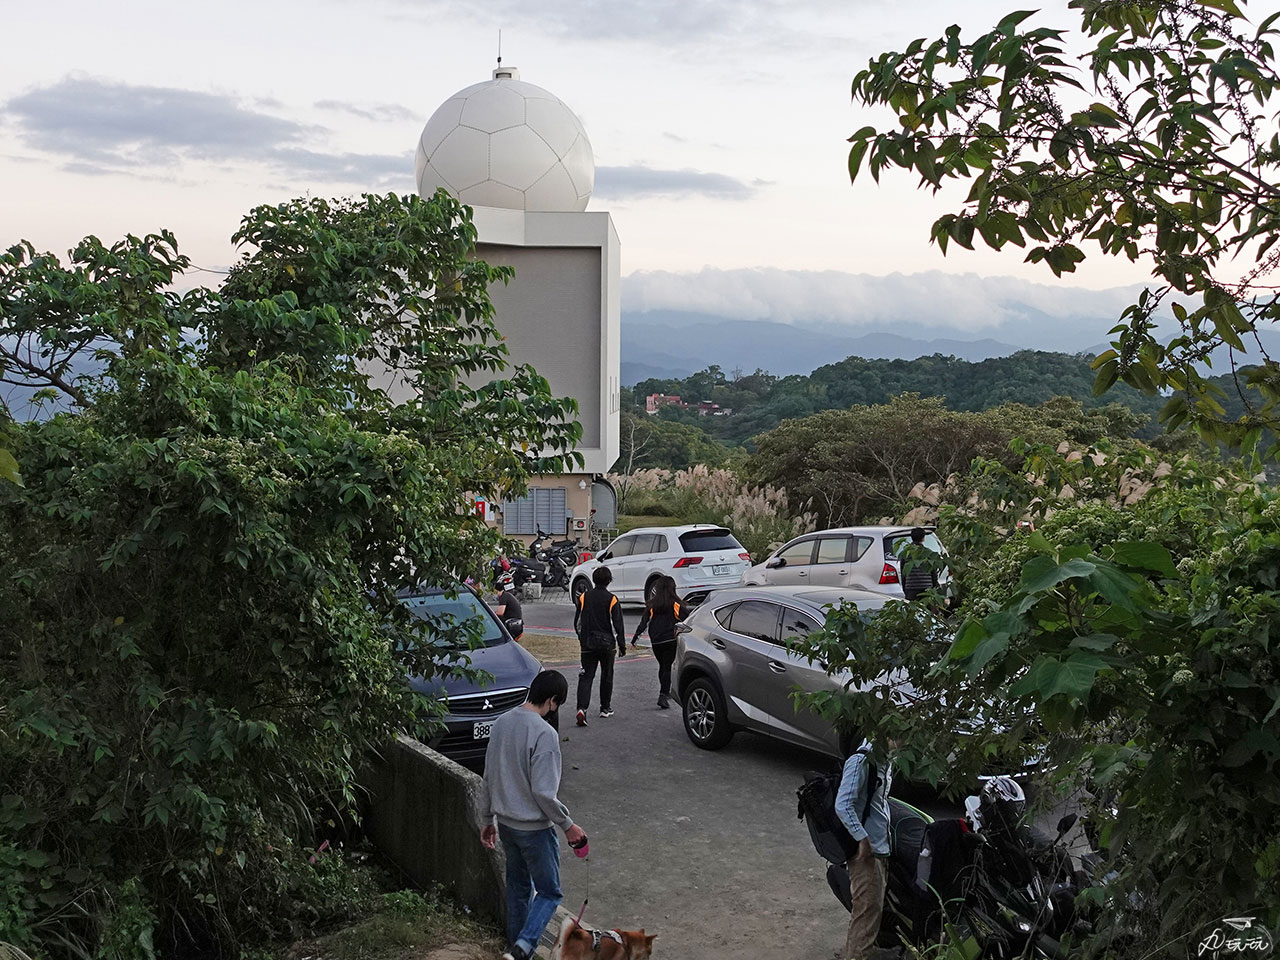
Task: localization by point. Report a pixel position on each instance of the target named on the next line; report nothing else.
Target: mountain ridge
(667, 344)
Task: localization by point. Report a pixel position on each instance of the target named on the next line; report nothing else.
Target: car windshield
(697, 541)
(896, 541)
(438, 608)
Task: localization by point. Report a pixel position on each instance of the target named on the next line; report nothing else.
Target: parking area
(702, 848)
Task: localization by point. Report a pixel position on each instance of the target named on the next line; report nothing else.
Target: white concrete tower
(521, 159)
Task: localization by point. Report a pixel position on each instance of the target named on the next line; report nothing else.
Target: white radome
(507, 143)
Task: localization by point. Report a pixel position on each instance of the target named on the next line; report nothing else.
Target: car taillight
(688, 562)
(745, 556)
(889, 574)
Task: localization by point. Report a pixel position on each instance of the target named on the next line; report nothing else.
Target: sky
(719, 128)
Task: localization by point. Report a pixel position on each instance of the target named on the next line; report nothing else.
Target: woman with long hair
(661, 615)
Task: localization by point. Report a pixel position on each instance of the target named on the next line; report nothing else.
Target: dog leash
(578, 919)
(577, 922)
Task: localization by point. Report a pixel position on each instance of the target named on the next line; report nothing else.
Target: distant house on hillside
(656, 401)
(707, 408)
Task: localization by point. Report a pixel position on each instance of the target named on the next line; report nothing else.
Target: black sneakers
(582, 718)
(606, 713)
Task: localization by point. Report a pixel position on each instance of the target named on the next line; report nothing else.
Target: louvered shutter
(518, 516)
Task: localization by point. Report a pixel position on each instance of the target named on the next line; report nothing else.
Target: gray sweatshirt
(522, 774)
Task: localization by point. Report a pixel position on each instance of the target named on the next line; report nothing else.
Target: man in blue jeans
(522, 778)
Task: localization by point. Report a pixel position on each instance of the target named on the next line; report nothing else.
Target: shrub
(200, 639)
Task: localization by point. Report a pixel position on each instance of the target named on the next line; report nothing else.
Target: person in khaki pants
(862, 804)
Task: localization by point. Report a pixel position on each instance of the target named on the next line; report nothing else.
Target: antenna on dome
(501, 72)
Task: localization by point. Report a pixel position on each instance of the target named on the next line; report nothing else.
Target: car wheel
(706, 720)
(580, 586)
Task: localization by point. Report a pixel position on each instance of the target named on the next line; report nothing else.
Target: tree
(201, 639)
(653, 441)
(859, 463)
(1166, 149)
(1143, 683)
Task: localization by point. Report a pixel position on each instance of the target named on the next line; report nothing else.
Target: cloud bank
(100, 126)
(959, 303)
(641, 182)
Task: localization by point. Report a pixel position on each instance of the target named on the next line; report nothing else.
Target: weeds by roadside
(405, 925)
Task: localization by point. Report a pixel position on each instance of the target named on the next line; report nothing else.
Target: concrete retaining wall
(423, 813)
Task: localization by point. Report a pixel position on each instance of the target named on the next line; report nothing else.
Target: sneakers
(662, 704)
(606, 713)
(582, 718)
(515, 953)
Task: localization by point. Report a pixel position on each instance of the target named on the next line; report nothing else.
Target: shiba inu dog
(579, 943)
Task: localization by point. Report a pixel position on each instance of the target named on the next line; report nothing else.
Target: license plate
(481, 730)
(720, 570)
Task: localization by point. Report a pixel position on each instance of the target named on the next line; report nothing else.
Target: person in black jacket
(661, 616)
(598, 621)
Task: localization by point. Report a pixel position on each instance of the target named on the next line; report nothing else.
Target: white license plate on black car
(720, 570)
(482, 729)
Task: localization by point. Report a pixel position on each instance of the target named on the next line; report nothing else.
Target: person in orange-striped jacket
(661, 616)
(598, 620)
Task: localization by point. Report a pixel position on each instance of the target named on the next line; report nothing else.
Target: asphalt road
(702, 848)
(555, 615)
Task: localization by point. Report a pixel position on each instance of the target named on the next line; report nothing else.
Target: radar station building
(521, 159)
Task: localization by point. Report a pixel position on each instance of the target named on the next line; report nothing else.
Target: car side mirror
(773, 563)
(605, 556)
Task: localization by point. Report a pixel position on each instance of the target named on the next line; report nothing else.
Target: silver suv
(865, 558)
(733, 669)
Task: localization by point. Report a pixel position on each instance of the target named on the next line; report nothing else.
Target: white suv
(700, 557)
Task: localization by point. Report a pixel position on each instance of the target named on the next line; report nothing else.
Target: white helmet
(1002, 803)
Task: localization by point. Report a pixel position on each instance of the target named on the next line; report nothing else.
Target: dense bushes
(1136, 651)
(200, 637)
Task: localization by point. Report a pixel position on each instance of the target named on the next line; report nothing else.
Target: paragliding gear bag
(817, 808)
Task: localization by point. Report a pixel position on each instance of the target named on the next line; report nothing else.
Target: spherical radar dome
(507, 143)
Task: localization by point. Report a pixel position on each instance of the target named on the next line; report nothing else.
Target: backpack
(817, 808)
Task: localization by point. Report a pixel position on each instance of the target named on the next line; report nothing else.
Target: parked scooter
(544, 548)
(1025, 868)
(553, 573)
(980, 883)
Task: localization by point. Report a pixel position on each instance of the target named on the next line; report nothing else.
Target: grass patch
(550, 648)
(406, 926)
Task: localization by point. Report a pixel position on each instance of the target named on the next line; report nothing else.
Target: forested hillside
(760, 401)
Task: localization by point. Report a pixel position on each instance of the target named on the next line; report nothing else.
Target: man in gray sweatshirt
(522, 778)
